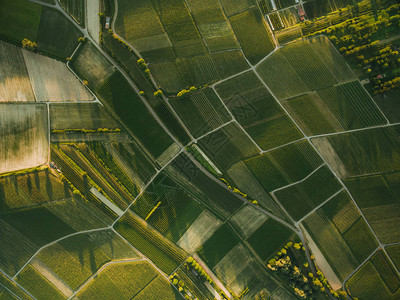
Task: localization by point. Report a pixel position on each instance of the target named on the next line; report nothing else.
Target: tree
(29, 44)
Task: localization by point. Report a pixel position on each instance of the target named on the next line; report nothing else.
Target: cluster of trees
(180, 285)
(283, 265)
(27, 44)
(303, 283)
(144, 67)
(354, 38)
(184, 91)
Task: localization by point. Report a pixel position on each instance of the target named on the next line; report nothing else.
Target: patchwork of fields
(28, 76)
(311, 78)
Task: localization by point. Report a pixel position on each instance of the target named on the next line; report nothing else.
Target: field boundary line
(297, 182)
(230, 77)
(56, 241)
(353, 130)
(320, 205)
(12, 293)
(281, 146)
(17, 284)
(94, 275)
(214, 130)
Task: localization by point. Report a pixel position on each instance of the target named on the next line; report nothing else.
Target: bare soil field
(14, 78)
(24, 139)
(92, 10)
(52, 81)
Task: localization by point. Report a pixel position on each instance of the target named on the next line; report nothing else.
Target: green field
(213, 25)
(257, 111)
(75, 8)
(343, 107)
(269, 238)
(253, 34)
(11, 286)
(284, 166)
(173, 76)
(301, 198)
(232, 7)
(110, 284)
(363, 152)
(227, 145)
(37, 285)
(30, 189)
(375, 280)
(21, 20)
(163, 253)
(215, 197)
(133, 157)
(341, 234)
(56, 35)
(90, 65)
(394, 253)
(378, 199)
(229, 63)
(305, 66)
(389, 104)
(279, 75)
(88, 116)
(201, 111)
(120, 96)
(218, 245)
(24, 231)
(309, 67)
(75, 259)
(128, 59)
(176, 209)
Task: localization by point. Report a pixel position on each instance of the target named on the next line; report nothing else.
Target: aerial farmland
(200, 149)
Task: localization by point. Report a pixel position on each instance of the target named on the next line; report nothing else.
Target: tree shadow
(49, 187)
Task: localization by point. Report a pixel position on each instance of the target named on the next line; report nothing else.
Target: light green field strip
(248, 219)
(199, 232)
(107, 202)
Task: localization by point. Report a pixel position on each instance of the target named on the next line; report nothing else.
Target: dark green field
(164, 254)
(201, 111)
(257, 111)
(175, 213)
(217, 198)
(269, 238)
(284, 166)
(218, 245)
(302, 197)
(20, 20)
(227, 146)
(117, 93)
